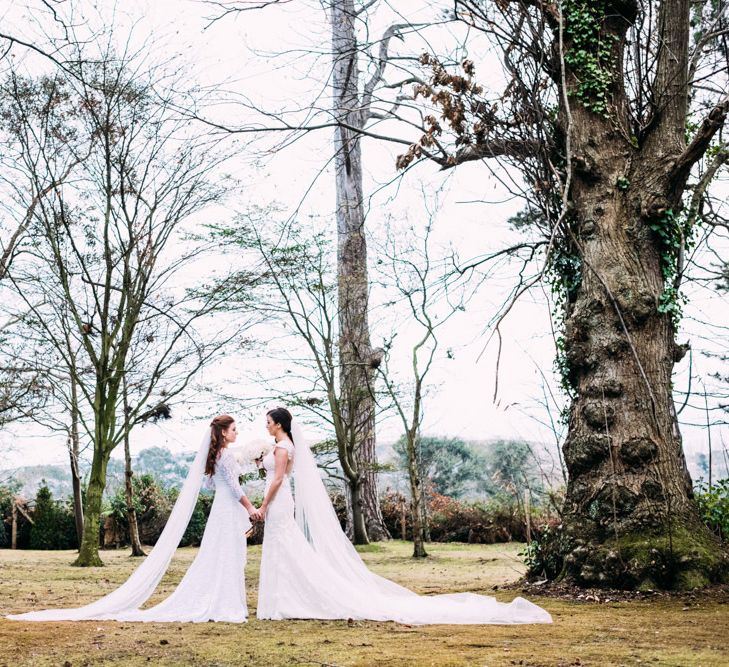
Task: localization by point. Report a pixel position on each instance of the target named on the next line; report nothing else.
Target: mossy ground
(664, 632)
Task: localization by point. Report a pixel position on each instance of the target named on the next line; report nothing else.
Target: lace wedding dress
(310, 570)
(213, 588)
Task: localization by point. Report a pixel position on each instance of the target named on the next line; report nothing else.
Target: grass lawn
(668, 631)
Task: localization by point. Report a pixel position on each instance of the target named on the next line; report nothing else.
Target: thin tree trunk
(136, 545)
(416, 496)
(73, 452)
(355, 352)
(14, 526)
(403, 521)
(424, 506)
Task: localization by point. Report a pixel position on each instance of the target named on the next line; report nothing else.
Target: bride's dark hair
(282, 416)
(217, 426)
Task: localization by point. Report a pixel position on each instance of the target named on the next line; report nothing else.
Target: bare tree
(352, 110)
(290, 279)
(22, 390)
(99, 271)
(427, 294)
(361, 98)
(597, 118)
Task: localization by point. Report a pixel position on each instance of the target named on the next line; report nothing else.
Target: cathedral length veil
(317, 519)
(142, 582)
(381, 598)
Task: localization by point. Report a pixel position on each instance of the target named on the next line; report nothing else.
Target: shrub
(6, 508)
(497, 520)
(153, 505)
(8, 493)
(53, 523)
(713, 503)
(500, 519)
(198, 520)
(392, 505)
(542, 555)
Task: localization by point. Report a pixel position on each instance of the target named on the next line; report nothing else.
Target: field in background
(687, 630)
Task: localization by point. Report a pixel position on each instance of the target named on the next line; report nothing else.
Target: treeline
(514, 504)
(48, 523)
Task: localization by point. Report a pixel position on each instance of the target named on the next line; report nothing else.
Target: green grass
(667, 631)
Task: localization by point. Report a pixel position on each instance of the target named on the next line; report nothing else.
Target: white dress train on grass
(310, 570)
(213, 588)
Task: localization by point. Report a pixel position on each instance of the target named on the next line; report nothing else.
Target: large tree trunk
(356, 355)
(629, 518)
(89, 549)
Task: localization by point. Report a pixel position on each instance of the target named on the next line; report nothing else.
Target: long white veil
(142, 582)
(317, 519)
(346, 588)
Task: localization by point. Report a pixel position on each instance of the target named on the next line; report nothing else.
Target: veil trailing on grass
(317, 519)
(341, 586)
(142, 582)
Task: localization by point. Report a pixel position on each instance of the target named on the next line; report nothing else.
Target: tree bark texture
(73, 452)
(416, 496)
(107, 390)
(629, 518)
(134, 541)
(356, 377)
(88, 555)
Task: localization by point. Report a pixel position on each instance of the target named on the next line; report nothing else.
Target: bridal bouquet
(253, 452)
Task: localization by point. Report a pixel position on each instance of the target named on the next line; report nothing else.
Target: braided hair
(282, 417)
(217, 426)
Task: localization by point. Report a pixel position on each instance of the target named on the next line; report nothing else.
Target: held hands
(253, 512)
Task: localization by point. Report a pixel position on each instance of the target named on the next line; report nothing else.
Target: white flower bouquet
(253, 452)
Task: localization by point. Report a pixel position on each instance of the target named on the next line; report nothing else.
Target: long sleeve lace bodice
(227, 472)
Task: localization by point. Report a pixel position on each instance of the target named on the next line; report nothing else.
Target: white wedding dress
(310, 570)
(213, 588)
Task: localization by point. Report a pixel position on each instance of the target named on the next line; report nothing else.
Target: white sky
(239, 50)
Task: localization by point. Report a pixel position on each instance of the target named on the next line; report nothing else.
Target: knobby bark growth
(596, 116)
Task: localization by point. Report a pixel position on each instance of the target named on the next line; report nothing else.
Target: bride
(309, 569)
(213, 588)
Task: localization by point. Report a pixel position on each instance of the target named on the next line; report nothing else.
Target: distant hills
(169, 467)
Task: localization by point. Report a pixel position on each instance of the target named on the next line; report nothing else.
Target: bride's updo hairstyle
(217, 426)
(283, 417)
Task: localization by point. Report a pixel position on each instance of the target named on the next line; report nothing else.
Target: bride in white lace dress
(213, 588)
(309, 569)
